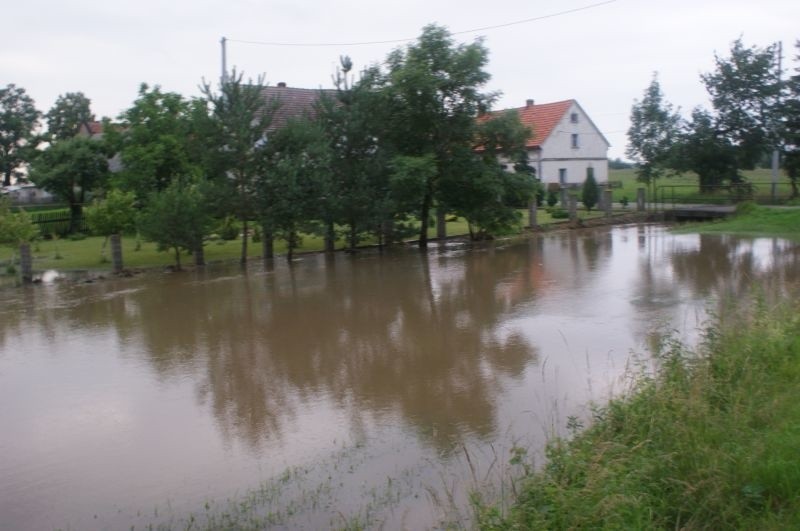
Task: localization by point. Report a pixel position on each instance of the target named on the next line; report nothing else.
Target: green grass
(686, 186)
(753, 220)
(709, 442)
(88, 254)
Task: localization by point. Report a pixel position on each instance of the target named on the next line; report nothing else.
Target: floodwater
(370, 389)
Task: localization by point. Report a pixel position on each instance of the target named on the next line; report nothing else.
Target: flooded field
(372, 390)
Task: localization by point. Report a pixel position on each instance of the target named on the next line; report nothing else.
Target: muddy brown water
(371, 389)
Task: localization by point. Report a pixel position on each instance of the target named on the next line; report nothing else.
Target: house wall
(557, 151)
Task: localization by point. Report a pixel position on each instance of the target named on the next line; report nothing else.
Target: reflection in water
(195, 384)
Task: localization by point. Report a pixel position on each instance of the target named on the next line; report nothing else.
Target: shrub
(229, 228)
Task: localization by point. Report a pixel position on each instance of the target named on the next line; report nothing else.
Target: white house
(565, 142)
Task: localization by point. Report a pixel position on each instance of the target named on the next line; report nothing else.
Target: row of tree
(387, 147)
(755, 112)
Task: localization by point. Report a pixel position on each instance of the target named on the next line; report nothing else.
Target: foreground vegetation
(707, 441)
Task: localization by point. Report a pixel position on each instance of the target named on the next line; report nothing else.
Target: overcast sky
(603, 56)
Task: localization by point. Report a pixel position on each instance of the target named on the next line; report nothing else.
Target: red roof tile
(541, 119)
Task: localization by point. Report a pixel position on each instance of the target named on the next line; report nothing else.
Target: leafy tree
(70, 169)
(355, 122)
(15, 227)
(481, 189)
(295, 170)
(434, 96)
(70, 111)
(791, 128)
(176, 218)
(152, 141)
(112, 216)
(708, 152)
(745, 90)
(590, 192)
(18, 122)
(240, 120)
(115, 214)
(654, 129)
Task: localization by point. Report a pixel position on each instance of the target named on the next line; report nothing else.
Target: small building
(27, 194)
(565, 142)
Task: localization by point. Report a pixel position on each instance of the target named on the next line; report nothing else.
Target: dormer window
(573, 117)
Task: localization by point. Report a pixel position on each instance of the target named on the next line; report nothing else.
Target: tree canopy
(70, 111)
(19, 120)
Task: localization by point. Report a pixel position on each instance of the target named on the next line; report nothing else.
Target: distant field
(684, 187)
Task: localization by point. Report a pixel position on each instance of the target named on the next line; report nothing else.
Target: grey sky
(603, 57)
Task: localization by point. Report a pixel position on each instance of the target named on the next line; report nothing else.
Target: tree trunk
(26, 262)
(243, 259)
(177, 259)
(75, 214)
(268, 252)
(423, 222)
(199, 255)
(441, 223)
(330, 238)
(116, 253)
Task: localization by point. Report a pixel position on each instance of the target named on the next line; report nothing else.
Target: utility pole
(224, 77)
(775, 153)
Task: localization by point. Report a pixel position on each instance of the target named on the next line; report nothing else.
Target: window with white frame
(573, 117)
(562, 176)
(575, 143)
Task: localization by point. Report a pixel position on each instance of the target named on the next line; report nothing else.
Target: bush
(552, 198)
(229, 228)
(559, 213)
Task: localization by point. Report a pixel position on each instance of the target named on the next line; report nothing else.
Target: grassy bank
(89, 253)
(710, 442)
(753, 220)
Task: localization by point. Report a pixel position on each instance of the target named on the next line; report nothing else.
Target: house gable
(565, 142)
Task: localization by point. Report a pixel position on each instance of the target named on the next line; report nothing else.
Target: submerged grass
(710, 440)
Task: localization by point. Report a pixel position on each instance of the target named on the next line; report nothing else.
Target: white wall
(557, 151)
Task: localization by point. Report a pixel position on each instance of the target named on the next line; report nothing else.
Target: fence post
(532, 214)
(116, 253)
(573, 208)
(441, 223)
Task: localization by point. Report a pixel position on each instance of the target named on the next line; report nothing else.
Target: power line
(395, 41)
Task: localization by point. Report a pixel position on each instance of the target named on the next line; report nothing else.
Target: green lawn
(753, 220)
(65, 254)
(685, 186)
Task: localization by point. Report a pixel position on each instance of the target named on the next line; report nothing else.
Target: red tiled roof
(292, 103)
(541, 119)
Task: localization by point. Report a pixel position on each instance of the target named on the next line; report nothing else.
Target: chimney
(529, 103)
(282, 84)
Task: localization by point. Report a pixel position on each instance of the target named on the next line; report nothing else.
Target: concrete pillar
(573, 208)
(116, 253)
(26, 262)
(640, 199)
(532, 212)
(607, 200)
(441, 223)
